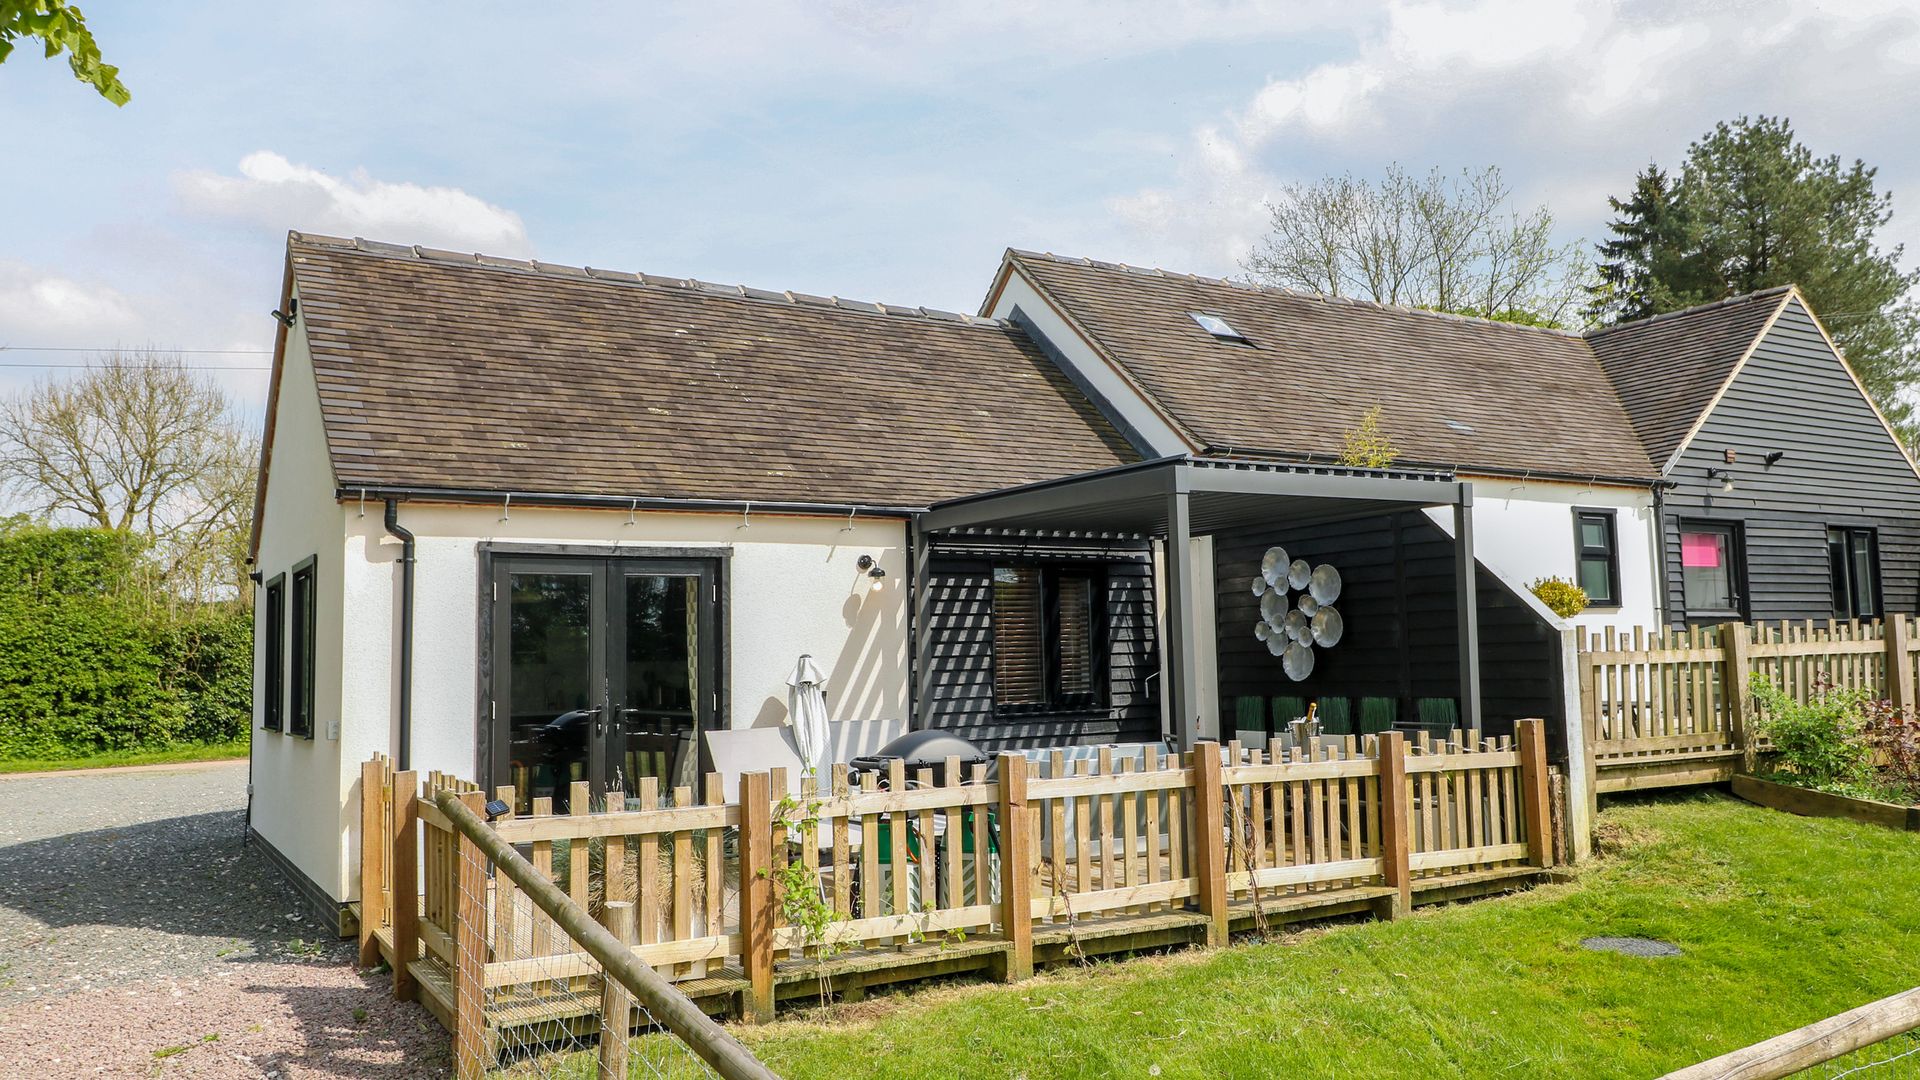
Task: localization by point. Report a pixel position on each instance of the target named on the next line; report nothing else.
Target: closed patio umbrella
(807, 712)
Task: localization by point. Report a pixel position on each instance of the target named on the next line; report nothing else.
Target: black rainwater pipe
(403, 755)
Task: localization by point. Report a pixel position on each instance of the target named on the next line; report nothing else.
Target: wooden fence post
(1533, 791)
(1390, 748)
(756, 894)
(616, 1002)
(1900, 661)
(1016, 867)
(1209, 850)
(404, 857)
(1737, 689)
(1590, 721)
(470, 1057)
(374, 843)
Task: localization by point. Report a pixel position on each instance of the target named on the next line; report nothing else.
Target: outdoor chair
(1335, 715)
(1439, 715)
(1286, 709)
(1377, 714)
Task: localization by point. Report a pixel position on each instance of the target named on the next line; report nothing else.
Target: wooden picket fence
(922, 874)
(1667, 708)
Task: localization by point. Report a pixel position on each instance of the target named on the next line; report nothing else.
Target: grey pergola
(1173, 500)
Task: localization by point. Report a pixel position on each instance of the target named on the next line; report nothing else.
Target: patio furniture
(1249, 715)
(1439, 715)
(1377, 714)
(1286, 709)
(1335, 715)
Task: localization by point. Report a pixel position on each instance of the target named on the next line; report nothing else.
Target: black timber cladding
(1841, 467)
(1397, 600)
(959, 695)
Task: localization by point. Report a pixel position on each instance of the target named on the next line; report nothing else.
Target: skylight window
(1462, 428)
(1221, 329)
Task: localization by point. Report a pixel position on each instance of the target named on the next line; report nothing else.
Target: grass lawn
(1784, 920)
(170, 755)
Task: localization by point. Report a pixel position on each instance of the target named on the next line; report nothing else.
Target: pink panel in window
(1700, 549)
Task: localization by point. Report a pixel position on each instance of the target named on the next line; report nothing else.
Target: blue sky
(876, 150)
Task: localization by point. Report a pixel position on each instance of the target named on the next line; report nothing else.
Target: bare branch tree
(1446, 243)
(140, 444)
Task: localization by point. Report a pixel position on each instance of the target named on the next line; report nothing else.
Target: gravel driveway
(140, 937)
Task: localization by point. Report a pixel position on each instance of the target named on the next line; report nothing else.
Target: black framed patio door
(605, 671)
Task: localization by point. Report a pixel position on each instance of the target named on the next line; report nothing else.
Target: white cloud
(1568, 96)
(279, 194)
(39, 305)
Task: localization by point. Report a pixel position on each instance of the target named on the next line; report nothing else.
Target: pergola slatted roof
(1177, 498)
(1223, 494)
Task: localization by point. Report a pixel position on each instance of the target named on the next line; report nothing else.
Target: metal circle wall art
(1292, 627)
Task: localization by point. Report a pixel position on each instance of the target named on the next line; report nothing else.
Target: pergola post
(1467, 597)
(919, 633)
(1183, 668)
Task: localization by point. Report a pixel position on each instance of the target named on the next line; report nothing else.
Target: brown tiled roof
(447, 370)
(1668, 369)
(1453, 391)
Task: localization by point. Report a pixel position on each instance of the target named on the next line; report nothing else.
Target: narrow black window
(273, 644)
(1046, 633)
(301, 667)
(1596, 555)
(1710, 569)
(1855, 564)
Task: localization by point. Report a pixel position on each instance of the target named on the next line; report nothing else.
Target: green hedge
(91, 660)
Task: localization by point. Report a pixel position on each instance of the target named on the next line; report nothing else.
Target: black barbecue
(923, 750)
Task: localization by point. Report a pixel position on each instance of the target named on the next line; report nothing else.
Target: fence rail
(858, 880)
(1671, 707)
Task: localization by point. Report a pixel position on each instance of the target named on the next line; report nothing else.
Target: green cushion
(1335, 715)
(1249, 713)
(1286, 709)
(1377, 714)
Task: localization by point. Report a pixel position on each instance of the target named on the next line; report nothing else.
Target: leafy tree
(61, 27)
(139, 444)
(1754, 208)
(1448, 243)
(1646, 269)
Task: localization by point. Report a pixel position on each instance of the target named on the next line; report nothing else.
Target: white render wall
(792, 586)
(1524, 530)
(298, 787)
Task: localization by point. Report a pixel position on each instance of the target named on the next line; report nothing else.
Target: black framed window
(300, 669)
(1046, 638)
(1854, 558)
(1596, 557)
(1710, 568)
(273, 642)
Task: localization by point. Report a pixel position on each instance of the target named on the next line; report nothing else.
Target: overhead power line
(133, 349)
(183, 367)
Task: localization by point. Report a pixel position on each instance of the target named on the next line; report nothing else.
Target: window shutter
(1019, 617)
(1076, 638)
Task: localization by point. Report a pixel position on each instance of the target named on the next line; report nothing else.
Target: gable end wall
(1841, 468)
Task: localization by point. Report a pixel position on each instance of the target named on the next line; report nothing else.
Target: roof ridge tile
(1696, 309)
(1298, 294)
(640, 278)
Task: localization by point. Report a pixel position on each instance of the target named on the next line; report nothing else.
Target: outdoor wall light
(873, 570)
(1724, 476)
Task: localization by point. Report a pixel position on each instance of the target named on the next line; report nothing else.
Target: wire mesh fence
(561, 1016)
